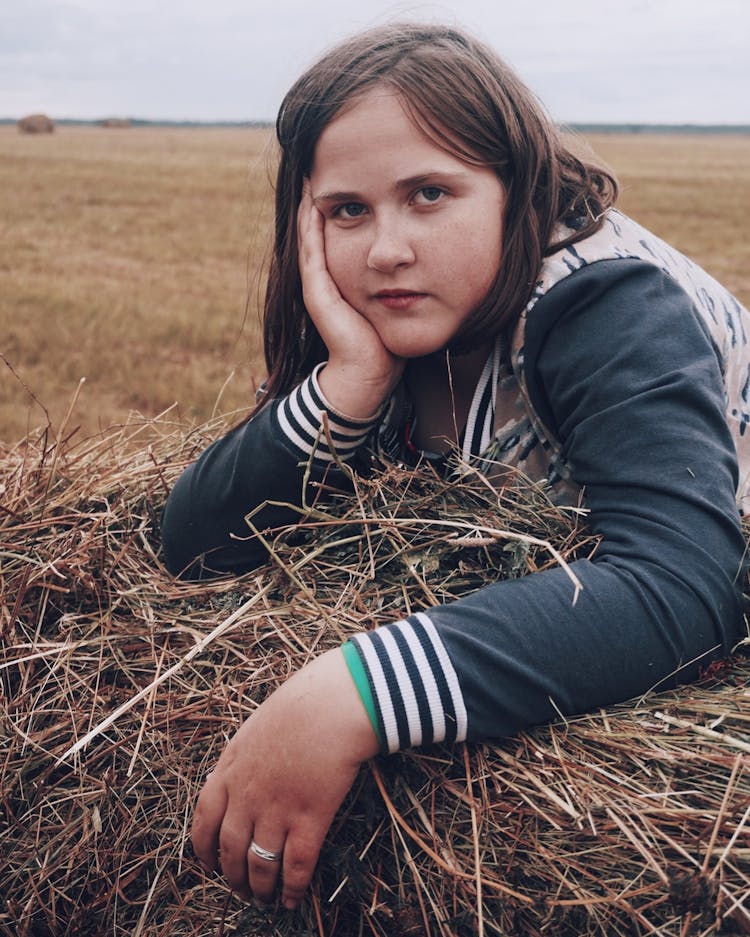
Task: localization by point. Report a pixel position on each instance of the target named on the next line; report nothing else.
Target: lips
(398, 299)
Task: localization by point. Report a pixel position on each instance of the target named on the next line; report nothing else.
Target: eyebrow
(413, 182)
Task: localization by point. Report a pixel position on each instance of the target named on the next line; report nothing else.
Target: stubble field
(134, 258)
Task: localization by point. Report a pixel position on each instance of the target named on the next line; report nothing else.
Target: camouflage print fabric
(509, 432)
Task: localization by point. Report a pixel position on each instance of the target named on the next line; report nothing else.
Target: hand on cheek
(281, 779)
(361, 372)
(323, 300)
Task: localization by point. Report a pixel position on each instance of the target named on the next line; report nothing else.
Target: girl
(448, 276)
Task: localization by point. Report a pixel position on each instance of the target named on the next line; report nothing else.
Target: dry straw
(120, 687)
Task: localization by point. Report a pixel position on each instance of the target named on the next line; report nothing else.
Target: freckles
(343, 261)
(334, 249)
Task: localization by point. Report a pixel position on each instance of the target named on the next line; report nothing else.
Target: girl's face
(412, 233)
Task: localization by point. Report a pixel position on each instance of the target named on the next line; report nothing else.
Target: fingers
(222, 837)
(207, 820)
(234, 839)
(250, 871)
(301, 853)
(311, 244)
(320, 293)
(305, 217)
(262, 871)
(220, 834)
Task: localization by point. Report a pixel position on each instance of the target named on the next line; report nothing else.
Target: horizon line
(268, 123)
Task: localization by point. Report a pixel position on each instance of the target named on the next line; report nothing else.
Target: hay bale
(115, 123)
(628, 821)
(36, 123)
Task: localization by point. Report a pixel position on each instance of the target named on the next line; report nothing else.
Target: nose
(391, 246)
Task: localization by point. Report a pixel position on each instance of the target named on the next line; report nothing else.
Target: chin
(413, 348)
(414, 352)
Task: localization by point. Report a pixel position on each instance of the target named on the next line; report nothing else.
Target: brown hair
(468, 101)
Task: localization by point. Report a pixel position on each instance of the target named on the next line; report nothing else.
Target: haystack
(115, 123)
(36, 123)
(121, 686)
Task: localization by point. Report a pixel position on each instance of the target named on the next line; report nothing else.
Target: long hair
(467, 101)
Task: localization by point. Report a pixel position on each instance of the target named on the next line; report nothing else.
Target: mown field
(129, 258)
(134, 258)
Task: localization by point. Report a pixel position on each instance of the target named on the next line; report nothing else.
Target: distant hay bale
(119, 687)
(116, 123)
(36, 123)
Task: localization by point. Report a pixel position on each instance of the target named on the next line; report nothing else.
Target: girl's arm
(634, 389)
(267, 458)
(623, 369)
(284, 774)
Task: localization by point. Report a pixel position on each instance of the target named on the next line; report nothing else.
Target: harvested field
(133, 260)
(136, 259)
(120, 687)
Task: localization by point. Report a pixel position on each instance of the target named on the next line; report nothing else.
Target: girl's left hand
(281, 779)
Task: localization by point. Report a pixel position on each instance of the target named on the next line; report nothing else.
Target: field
(134, 258)
(129, 259)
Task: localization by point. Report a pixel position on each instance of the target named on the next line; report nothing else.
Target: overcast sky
(652, 61)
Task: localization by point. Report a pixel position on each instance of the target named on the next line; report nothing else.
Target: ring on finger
(268, 854)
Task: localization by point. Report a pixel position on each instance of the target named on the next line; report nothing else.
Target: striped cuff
(300, 418)
(417, 696)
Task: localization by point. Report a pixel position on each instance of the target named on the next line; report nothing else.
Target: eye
(349, 210)
(428, 195)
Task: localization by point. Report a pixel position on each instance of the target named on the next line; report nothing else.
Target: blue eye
(349, 210)
(429, 194)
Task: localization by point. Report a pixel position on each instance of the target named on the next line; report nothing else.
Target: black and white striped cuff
(416, 691)
(300, 418)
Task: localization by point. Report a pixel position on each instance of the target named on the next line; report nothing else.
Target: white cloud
(233, 59)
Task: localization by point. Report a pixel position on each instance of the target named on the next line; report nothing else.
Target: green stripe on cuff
(361, 682)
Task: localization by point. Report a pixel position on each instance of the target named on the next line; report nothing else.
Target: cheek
(342, 260)
(489, 258)
(472, 253)
(489, 244)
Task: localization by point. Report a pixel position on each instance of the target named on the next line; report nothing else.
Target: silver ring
(266, 854)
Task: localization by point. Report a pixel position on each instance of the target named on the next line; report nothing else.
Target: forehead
(376, 132)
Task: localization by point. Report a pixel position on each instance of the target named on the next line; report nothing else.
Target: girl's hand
(281, 779)
(361, 372)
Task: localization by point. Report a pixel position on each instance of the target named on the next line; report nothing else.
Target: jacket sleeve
(269, 458)
(623, 370)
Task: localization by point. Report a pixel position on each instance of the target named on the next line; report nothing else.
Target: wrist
(352, 393)
(352, 717)
(333, 708)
